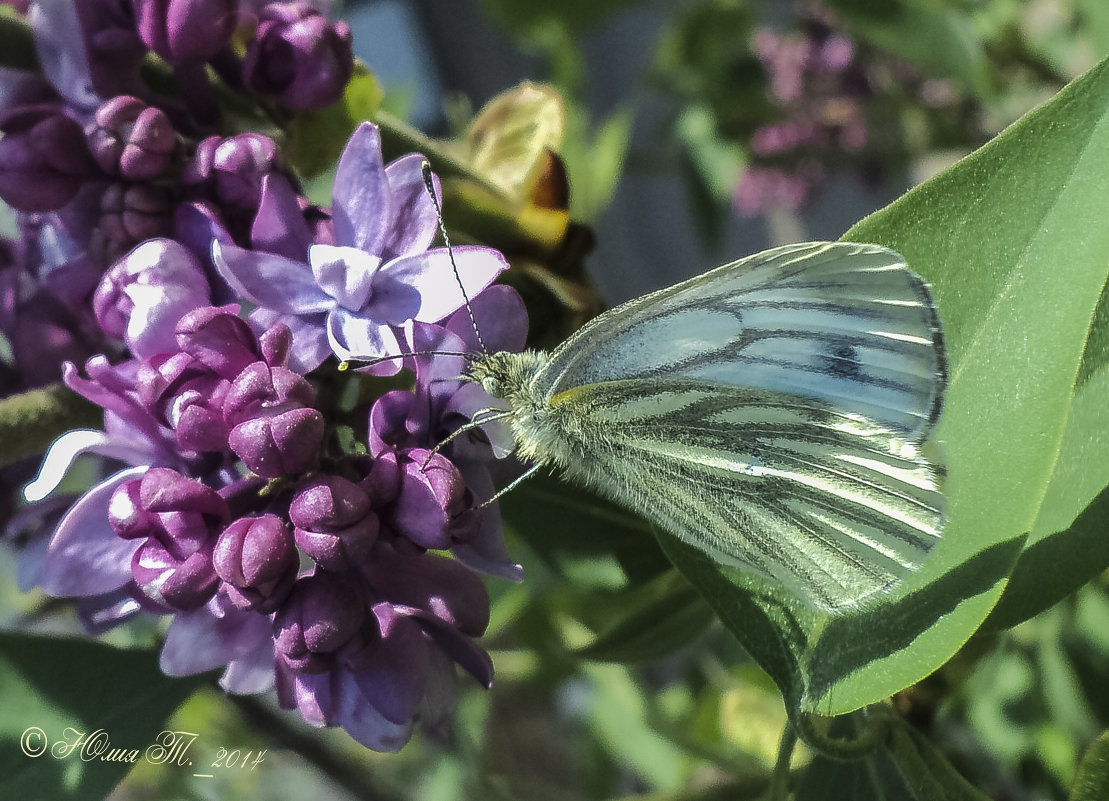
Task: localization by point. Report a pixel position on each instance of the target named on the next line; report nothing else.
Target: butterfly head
(505, 375)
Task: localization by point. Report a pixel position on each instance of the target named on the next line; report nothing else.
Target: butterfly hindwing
(829, 504)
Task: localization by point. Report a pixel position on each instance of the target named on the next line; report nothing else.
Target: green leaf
(1091, 783)
(1012, 241)
(905, 767)
(656, 619)
(317, 137)
(566, 525)
(941, 40)
(52, 684)
(30, 421)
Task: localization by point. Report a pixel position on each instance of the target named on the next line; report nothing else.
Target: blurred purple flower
(185, 31)
(350, 297)
(299, 56)
(761, 189)
(44, 161)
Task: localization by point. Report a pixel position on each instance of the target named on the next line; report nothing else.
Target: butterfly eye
(492, 385)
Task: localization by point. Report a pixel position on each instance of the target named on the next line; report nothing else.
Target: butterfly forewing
(845, 323)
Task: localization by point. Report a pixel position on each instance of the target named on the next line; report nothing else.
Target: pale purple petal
(279, 225)
(310, 347)
(486, 552)
(60, 45)
(85, 555)
(501, 317)
(344, 273)
(415, 221)
(150, 330)
(361, 200)
(364, 723)
(270, 280)
(210, 637)
(470, 399)
(356, 338)
(252, 673)
(430, 277)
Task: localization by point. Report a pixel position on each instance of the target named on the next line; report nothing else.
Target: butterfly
(770, 412)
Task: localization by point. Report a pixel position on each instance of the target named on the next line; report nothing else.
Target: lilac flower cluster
(816, 82)
(340, 570)
(96, 161)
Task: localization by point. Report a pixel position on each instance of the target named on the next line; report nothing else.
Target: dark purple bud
(232, 169)
(256, 558)
(279, 445)
(334, 523)
(144, 294)
(430, 498)
(130, 213)
(299, 56)
(275, 431)
(219, 339)
(187, 397)
(185, 31)
(44, 160)
(323, 612)
(131, 139)
(180, 583)
(179, 518)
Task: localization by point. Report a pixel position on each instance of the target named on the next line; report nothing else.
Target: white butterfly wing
(769, 412)
(845, 323)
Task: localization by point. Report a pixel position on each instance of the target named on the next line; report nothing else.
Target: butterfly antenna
(430, 186)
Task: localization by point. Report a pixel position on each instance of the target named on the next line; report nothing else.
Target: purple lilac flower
(143, 295)
(376, 654)
(351, 298)
(299, 56)
(405, 423)
(371, 637)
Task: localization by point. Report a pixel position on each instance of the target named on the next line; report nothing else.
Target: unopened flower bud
(334, 523)
(430, 498)
(179, 518)
(130, 139)
(322, 614)
(275, 430)
(185, 31)
(299, 56)
(257, 560)
(44, 160)
(143, 295)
